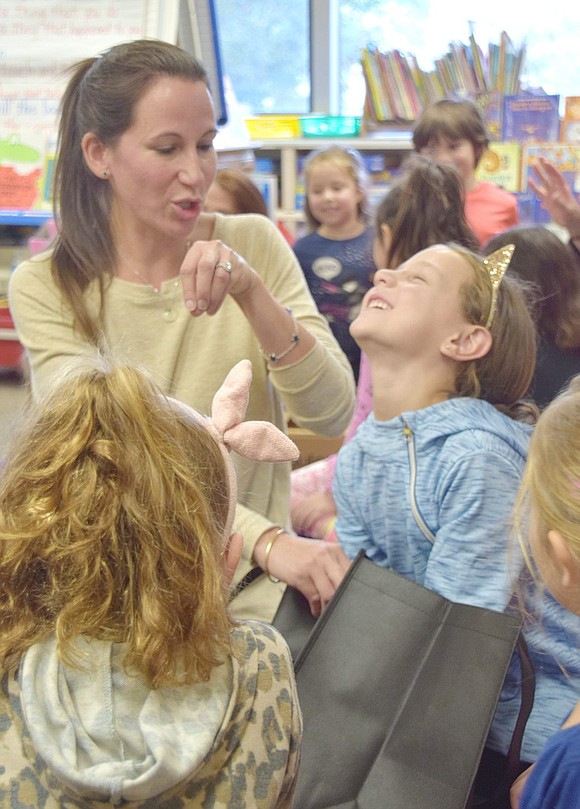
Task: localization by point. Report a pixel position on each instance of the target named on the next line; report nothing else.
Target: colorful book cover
(501, 165)
(514, 86)
(531, 118)
(380, 105)
(433, 86)
(529, 209)
(478, 64)
(388, 83)
(398, 69)
(492, 66)
(465, 80)
(503, 42)
(444, 76)
(572, 108)
(396, 82)
(570, 131)
(491, 105)
(566, 158)
(418, 79)
(414, 105)
(510, 60)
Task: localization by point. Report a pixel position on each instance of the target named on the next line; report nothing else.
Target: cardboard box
(313, 447)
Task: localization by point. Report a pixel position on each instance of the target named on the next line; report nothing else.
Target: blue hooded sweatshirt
(430, 495)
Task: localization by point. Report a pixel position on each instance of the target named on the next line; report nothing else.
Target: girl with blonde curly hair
(124, 678)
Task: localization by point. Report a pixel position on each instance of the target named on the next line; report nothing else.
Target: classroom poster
(39, 39)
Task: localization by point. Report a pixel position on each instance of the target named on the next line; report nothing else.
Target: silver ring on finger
(225, 265)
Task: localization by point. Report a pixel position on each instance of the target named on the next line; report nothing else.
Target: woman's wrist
(265, 549)
(250, 287)
(291, 344)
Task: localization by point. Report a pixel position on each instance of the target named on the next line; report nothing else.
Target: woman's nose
(190, 171)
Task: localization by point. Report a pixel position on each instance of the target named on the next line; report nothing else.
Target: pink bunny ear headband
(255, 440)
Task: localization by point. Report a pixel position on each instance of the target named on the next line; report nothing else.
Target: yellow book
(501, 165)
(372, 75)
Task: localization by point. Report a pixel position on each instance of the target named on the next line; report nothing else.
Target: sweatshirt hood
(108, 737)
(446, 419)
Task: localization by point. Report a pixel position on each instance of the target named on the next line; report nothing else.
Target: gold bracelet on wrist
(267, 552)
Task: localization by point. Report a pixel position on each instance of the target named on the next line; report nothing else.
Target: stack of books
(398, 89)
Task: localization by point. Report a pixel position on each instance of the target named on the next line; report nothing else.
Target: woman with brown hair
(140, 268)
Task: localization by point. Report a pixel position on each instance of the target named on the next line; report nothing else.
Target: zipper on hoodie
(418, 517)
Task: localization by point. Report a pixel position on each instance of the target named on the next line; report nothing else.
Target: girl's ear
(95, 154)
(232, 555)
(568, 568)
(381, 246)
(471, 343)
(386, 235)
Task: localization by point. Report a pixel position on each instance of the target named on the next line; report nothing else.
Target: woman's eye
(205, 147)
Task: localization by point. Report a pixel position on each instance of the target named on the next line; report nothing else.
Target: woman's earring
(105, 173)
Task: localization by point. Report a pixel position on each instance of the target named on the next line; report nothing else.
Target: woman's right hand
(210, 271)
(314, 567)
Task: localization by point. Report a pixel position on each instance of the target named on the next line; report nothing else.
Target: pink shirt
(490, 210)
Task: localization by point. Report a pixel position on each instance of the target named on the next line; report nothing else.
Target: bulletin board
(39, 39)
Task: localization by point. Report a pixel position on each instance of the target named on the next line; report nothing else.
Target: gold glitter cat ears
(496, 265)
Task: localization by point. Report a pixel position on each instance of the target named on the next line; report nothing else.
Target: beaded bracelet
(269, 546)
(294, 340)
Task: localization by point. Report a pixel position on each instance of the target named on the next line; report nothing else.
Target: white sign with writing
(39, 39)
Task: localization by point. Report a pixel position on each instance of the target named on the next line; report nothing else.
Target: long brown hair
(100, 97)
(542, 259)
(424, 207)
(113, 507)
(503, 376)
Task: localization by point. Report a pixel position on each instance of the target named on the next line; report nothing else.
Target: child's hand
(556, 197)
(312, 514)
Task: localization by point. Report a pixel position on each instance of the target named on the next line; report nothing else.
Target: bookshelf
(396, 143)
(398, 89)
